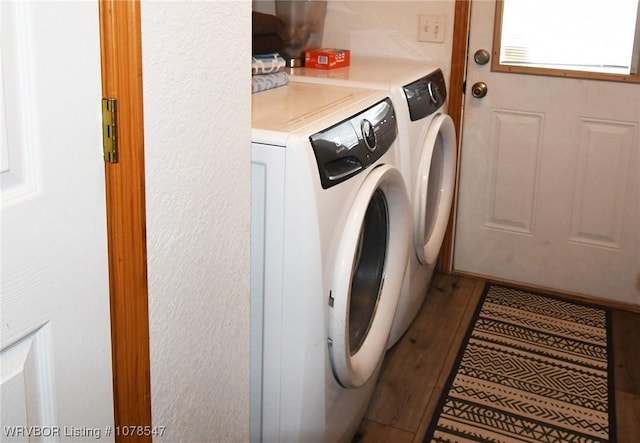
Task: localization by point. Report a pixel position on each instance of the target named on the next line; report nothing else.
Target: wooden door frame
(121, 56)
(456, 104)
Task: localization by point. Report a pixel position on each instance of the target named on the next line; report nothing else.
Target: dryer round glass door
(369, 269)
(434, 189)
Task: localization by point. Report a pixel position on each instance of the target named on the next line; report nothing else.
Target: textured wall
(197, 110)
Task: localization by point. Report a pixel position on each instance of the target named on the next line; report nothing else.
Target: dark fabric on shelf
(266, 44)
(264, 24)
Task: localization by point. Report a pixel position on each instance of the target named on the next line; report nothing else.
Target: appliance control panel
(354, 144)
(426, 95)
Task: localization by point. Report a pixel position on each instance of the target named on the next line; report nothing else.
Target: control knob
(368, 134)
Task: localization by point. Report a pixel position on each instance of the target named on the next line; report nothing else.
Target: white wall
(197, 159)
(384, 28)
(197, 112)
(389, 29)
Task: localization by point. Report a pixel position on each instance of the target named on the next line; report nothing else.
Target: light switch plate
(431, 28)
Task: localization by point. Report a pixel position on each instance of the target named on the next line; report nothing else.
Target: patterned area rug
(532, 368)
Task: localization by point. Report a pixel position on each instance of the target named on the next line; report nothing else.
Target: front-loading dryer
(330, 222)
(427, 143)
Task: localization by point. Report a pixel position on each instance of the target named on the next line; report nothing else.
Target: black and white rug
(532, 368)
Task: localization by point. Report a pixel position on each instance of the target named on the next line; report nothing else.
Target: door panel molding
(19, 172)
(28, 381)
(605, 154)
(513, 169)
(121, 51)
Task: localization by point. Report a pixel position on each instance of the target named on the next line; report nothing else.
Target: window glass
(581, 35)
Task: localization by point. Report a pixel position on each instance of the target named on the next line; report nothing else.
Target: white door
(55, 332)
(549, 179)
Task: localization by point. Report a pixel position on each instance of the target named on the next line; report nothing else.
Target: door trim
(121, 56)
(456, 102)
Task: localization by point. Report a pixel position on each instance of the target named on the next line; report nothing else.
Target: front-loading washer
(330, 226)
(427, 142)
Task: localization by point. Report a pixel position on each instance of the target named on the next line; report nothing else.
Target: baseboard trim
(598, 301)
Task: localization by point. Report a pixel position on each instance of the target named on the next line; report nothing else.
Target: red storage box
(326, 58)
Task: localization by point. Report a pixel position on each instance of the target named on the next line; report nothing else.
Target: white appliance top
(374, 72)
(307, 106)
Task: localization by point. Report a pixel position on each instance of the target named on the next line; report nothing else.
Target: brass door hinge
(109, 130)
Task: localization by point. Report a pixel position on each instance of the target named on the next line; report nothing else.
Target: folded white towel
(267, 63)
(268, 81)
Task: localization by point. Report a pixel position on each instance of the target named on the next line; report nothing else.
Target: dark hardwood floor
(416, 369)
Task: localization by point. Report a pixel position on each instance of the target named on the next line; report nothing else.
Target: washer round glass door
(369, 269)
(434, 188)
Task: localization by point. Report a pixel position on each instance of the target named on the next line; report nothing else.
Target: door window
(571, 38)
(368, 270)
